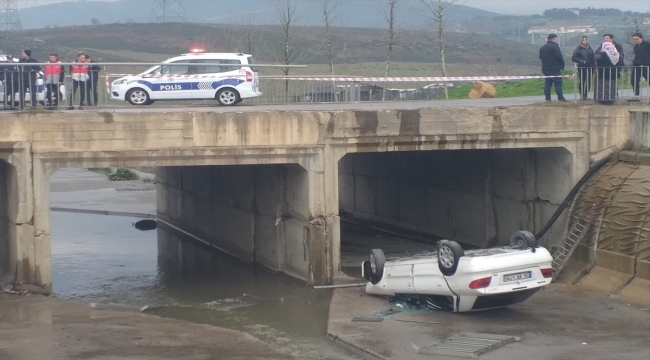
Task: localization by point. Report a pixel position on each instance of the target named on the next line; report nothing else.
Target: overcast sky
(499, 6)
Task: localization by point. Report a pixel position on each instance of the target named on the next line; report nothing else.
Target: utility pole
(168, 11)
(9, 15)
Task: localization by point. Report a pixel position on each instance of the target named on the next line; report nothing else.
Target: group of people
(605, 64)
(19, 79)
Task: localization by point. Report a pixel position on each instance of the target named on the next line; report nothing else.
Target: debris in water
(385, 313)
(146, 225)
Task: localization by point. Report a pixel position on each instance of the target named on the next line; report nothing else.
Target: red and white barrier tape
(419, 79)
(362, 79)
(108, 84)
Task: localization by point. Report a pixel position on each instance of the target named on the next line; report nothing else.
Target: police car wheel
(228, 97)
(137, 96)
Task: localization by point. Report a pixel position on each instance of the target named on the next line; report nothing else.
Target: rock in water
(145, 225)
(482, 90)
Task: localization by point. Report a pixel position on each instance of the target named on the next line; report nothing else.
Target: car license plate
(517, 276)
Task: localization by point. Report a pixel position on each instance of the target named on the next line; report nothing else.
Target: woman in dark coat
(606, 58)
(583, 56)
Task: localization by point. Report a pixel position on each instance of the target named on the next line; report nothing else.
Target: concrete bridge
(268, 185)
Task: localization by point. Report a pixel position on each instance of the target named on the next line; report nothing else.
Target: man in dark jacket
(94, 79)
(9, 76)
(30, 76)
(552, 65)
(641, 62)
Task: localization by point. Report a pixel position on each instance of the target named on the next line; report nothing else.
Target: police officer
(9, 75)
(94, 78)
(53, 76)
(29, 76)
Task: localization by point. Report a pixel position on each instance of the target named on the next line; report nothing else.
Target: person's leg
(33, 89)
(75, 86)
(48, 94)
(558, 88)
(83, 93)
(547, 87)
(584, 83)
(55, 94)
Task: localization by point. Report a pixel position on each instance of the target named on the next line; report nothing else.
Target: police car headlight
(119, 82)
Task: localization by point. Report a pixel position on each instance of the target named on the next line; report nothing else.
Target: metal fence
(611, 84)
(26, 85)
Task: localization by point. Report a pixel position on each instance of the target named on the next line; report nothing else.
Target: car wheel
(523, 240)
(228, 97)
(137, 96)
(377, 261)
(449, 253)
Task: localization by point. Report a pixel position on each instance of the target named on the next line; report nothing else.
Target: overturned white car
(459, 281)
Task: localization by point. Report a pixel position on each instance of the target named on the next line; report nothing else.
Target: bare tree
(441, 10)
(287, 12)
(390, 14)
(329, 9)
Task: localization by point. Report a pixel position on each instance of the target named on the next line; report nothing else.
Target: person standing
(10, 74)
(552, 66)
(53, 76)
(79, 75)
(94, 79)
(583, 56)
(607, 56)
(641, 63)
(29, 76)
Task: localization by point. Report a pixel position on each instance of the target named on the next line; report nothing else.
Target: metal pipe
(339, 286)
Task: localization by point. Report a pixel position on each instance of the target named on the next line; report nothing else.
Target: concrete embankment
(558, 322)
(39, 327)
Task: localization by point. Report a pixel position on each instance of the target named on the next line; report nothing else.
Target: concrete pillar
(16, 214)
(639, 132)
(42, 273)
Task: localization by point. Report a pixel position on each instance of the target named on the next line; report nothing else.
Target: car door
(214, 75)
(169, 82)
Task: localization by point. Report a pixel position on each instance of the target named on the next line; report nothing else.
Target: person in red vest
(53, 76)
(79, 75)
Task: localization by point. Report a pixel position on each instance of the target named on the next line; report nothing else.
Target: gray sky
(499, 6)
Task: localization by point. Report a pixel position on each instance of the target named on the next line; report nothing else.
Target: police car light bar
(197, 50)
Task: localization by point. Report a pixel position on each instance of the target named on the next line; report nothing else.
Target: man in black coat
(641, 62)
(552, 65)
(9, 76)
(30, 76)
(94, 79)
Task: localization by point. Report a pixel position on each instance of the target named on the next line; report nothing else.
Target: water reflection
(106, 259)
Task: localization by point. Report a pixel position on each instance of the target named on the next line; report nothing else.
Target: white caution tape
(419, 79)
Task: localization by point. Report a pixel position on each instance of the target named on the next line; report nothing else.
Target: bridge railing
(27, 85)
(611, 84)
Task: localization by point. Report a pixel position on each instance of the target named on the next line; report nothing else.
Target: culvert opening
(404, 202)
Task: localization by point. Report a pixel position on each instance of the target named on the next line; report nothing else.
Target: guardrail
(29, 87)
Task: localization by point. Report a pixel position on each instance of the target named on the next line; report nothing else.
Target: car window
(180, 67)
(213, 66)
(251, 60)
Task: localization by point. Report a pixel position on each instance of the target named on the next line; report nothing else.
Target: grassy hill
(468, 54)
(353, 13)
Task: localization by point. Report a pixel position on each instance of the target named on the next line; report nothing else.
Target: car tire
(449, 253)
(228, 97)
(377, 262)
(523, 240)
(138, 96)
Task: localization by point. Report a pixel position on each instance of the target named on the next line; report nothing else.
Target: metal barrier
(29, 85)
(611, 84)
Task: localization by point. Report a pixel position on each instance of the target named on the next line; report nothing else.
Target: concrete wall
(8, 209)
(477, 197)
(258, 213)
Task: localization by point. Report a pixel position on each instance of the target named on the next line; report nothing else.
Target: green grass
(516, 88)
(121, 174)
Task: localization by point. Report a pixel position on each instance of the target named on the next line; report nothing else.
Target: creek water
(105, 259)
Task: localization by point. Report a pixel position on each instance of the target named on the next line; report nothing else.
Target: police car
(40, 96)
(225, 77)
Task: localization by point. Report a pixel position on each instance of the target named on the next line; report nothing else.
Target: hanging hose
(569, 198)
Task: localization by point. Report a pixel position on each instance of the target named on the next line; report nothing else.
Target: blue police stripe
(180, 86)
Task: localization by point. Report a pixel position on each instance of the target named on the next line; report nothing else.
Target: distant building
(563, 29)
(575, 11)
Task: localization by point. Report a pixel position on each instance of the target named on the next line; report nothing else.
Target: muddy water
(98, 258)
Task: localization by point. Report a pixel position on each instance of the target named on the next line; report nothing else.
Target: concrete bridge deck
(305, 163)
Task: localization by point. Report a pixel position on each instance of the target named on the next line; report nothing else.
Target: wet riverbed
(105, 259)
